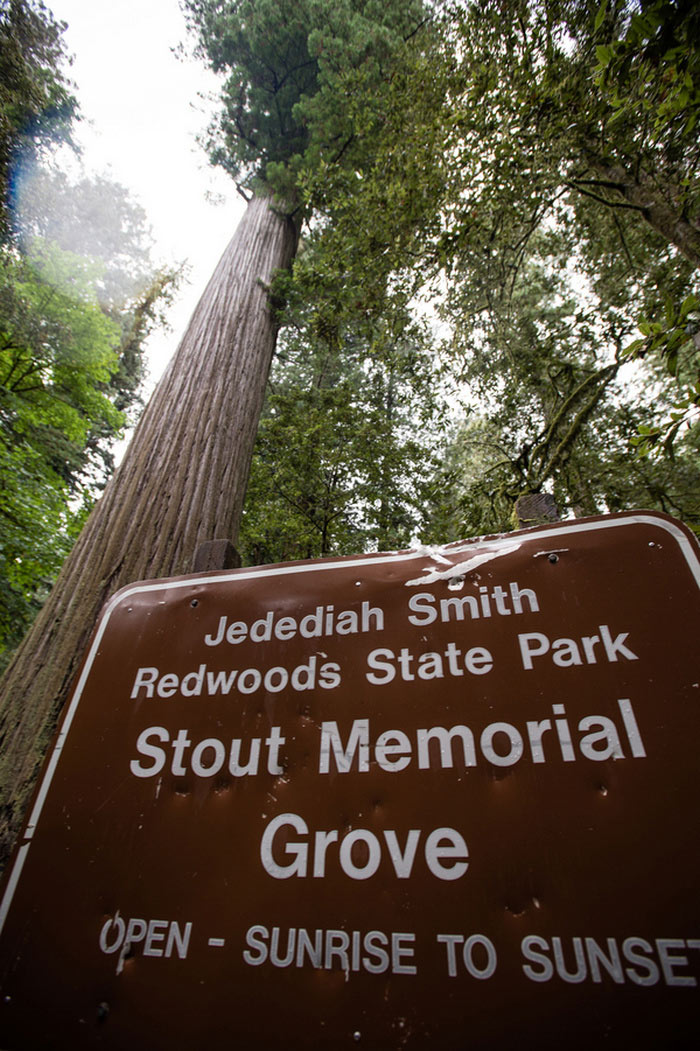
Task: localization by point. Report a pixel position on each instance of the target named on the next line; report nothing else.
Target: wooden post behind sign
(215, 554)
(535, 509)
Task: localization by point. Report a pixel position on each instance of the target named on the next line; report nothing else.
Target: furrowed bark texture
(181, 482)
(664, 212)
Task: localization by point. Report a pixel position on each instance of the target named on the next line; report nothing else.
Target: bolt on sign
(431, 799)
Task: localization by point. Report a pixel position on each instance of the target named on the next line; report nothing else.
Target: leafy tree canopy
(78, 296)
(290, 66)
(506, 143)
(529, 170)
(553, 402)
(36, 103)
(346, 451)
(339, 464)
(57, 353)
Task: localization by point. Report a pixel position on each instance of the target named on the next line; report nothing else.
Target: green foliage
(91, 217)
(650, 76)
(36, 106)
(70, 371)
(529, 168)
(78, 296)
(554, 402)
(676, 341)
(338, 466)
(289, 66)
(345, 455)
(527, 148)
(57, 353)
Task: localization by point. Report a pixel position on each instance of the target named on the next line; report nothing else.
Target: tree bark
(533, 509)
(181, 482)
(643, 193)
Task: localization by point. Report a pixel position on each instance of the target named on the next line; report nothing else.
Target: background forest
(79, 294)
(502, 297)
(495, 294)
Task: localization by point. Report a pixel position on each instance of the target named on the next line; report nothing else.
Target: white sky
(142, 113)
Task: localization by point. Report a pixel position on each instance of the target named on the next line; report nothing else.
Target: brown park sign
(445, 798)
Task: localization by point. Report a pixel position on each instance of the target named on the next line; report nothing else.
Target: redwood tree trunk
(181, 482)
(661, 210)
(658, 202)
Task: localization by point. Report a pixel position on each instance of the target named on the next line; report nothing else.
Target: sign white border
(491, 547)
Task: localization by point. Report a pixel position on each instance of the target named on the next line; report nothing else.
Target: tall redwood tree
(290, 64)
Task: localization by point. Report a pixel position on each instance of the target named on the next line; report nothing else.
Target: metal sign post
(436, 798)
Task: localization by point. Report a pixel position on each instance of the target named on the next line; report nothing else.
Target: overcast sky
(143, 111)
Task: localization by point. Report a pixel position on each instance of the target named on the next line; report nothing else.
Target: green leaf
(604, 54)
(600, 15)
(671, 360)
(690, 303)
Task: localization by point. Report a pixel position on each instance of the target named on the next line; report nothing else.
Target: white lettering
(359, 853)
(151, 751)
(455, 850)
